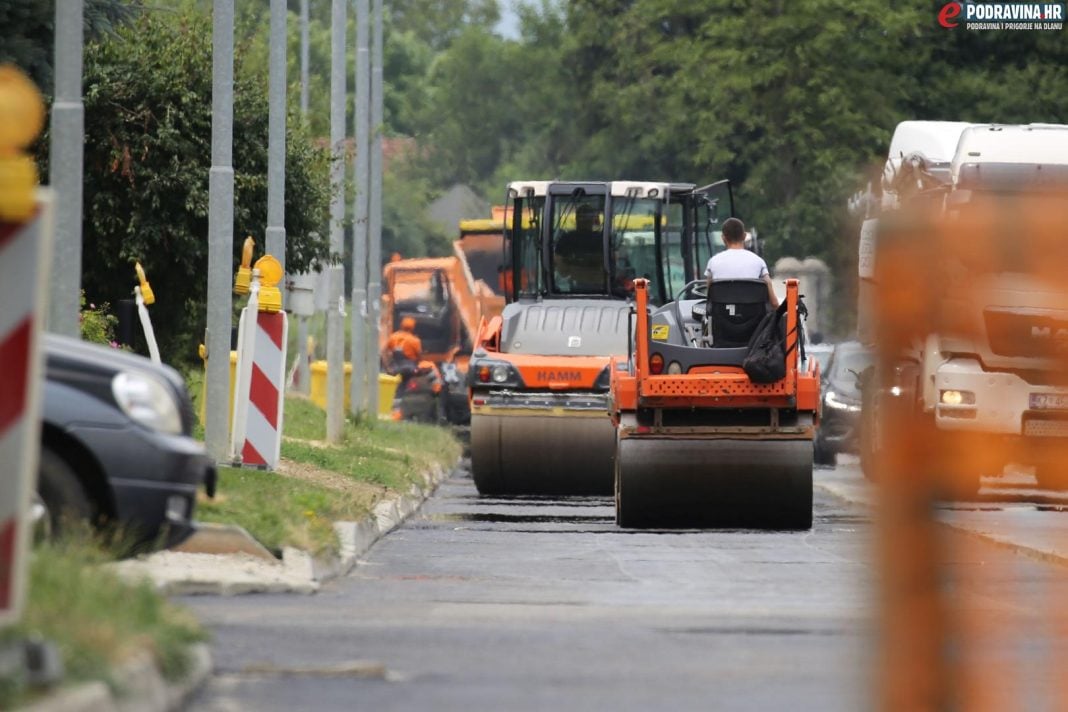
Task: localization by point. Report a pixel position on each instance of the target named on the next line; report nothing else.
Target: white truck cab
(989, 383)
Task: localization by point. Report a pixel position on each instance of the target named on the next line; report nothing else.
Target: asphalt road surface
(521, 604)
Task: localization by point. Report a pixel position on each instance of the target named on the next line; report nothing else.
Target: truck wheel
(1051, 476)
(866, 436)
(866, 447)
(61, 493)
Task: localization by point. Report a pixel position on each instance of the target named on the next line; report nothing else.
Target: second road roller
(700, 441)
(539, 375)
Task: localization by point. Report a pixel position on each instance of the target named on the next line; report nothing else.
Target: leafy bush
(97, 323)
(147, 158)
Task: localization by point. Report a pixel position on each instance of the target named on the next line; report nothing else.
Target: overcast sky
(509, 24)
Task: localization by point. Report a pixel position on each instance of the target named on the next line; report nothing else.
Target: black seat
(735, 308)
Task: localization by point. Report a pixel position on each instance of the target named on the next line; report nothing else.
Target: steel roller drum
(543, 454)
(690, 483)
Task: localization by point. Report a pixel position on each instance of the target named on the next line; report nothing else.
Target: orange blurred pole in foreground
(934, 275)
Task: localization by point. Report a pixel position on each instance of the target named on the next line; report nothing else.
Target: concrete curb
(1030, 551)
(356, 538)
(195, 573)
(140, 688)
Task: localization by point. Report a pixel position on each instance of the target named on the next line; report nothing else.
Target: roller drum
(542, 454)
(679, 483)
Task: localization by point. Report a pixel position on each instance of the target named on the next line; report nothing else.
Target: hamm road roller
(539, 375)
(698, 442)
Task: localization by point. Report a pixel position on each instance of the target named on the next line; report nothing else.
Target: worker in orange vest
(403, 343)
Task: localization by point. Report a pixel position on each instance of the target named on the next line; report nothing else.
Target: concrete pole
(65, 170)
(303, 372)
(276, 136)
(335, 327)
(374, 249)
(304, 57)
(220, 232)
(362, 134)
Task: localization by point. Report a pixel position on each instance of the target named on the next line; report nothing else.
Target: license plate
(1049, 401)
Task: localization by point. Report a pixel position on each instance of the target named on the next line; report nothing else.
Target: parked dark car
(820, 353)
(840, 402)
(116, 445)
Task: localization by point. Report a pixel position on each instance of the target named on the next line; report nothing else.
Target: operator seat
(735, 308)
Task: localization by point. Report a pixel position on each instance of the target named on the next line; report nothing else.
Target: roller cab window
(577, 245)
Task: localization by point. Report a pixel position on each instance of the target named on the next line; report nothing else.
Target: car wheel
(61, 494)
(822, 455)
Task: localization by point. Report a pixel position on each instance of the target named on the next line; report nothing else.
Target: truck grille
(1026, 334)
(1043, 428)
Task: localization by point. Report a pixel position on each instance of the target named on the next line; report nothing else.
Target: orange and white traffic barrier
(256, 438)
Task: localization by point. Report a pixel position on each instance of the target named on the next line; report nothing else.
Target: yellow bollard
(201, 414)
(387, 387)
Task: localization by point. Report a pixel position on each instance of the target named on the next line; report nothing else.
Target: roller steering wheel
(697, 289)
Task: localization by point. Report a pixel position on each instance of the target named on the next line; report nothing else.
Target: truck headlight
(952, 397)
(147, 401)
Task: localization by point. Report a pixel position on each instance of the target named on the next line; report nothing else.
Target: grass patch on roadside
(281, 511)
(298, 505)
(96, 619)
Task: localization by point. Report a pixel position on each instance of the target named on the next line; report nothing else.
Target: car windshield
(846, 364)
(822, 357)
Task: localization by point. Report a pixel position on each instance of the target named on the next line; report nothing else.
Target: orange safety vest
(408, 343)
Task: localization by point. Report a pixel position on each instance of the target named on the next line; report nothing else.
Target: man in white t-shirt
(736, 262)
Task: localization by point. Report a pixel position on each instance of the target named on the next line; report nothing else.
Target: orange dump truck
(481, 246)
(698, 442)
(448, 297)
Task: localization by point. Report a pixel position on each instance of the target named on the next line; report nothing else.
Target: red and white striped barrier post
(262, 338)
(25, 244)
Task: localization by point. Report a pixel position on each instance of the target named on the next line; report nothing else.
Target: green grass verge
(281, 511)
(96, 619)
(286, 509)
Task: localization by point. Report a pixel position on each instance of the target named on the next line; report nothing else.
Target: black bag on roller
(765, 361)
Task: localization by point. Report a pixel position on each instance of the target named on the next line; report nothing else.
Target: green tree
(438, 22)
(147, 156)
(27, 34)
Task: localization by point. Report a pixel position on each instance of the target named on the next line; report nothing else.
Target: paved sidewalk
(1010, 510)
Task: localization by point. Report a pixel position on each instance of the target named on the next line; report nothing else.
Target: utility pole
(304, 57)
(335, 327)
(362, 134)
(65, 170)
(220, 232)
(276, 136)
(374, 248)
(303, 372)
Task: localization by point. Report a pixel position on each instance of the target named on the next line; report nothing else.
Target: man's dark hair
(733, 230)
